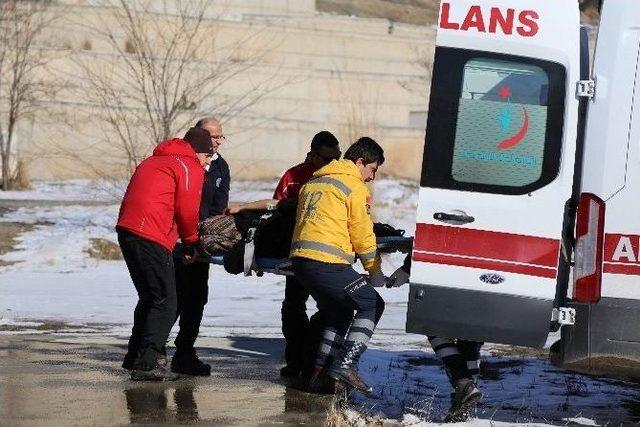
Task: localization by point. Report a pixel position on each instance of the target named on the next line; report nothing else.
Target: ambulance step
(478, 315)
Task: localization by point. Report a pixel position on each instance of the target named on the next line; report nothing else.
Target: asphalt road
(52, 379)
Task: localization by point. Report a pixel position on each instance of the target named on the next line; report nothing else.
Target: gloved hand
(377, 279)
(398, 278)
(189, 255)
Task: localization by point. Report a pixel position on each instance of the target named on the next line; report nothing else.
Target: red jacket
(163, 196)
(292, 180)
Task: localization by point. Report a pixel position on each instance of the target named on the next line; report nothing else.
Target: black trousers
(192, 283)
(339, 291)
(329, 284)
(151, 269)
(294, 322)
(459, 357)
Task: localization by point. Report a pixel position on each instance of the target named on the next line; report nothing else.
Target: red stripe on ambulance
(530, 255)
(529, 270)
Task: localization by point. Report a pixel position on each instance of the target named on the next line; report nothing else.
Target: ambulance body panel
(606, 337)
(498, 170)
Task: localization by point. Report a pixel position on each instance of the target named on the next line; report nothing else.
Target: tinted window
(495, 122)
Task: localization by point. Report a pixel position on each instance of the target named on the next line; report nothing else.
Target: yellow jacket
(332, 222)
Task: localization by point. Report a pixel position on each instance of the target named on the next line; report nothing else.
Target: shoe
(319, 382)
(129, 361)
(190, 365)
(351, 378)
(159, 373)
(289, 371)
(464, 401)
(162, 360)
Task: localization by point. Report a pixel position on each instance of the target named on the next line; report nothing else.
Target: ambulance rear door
(498, 170)
(606, 293)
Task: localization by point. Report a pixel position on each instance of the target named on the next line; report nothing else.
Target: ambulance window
(495, 122)
(501, 127)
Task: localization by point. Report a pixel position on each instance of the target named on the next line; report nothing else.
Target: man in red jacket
(295, 323)
(160, 205)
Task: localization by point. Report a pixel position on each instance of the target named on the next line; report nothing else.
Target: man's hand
(232, 209)
(398, 278)
(377, 279)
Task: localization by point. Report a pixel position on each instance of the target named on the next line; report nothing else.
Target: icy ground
(52, 280)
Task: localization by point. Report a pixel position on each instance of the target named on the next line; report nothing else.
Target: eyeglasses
(219, 137)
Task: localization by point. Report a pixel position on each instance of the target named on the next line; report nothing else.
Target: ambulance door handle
(454, 218)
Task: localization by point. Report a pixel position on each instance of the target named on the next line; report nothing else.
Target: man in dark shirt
(192, 279)
(295, 323)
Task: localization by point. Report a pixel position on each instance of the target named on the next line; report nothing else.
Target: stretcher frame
(282, 266)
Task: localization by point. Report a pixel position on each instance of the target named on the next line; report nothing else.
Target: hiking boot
(190, 365)
(464, 401)
(289, 371)
(351, 378)
(158, 373)
(345, 368)
(319, 382)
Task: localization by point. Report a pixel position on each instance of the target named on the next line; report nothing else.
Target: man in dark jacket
(192, 280)
(160, 204)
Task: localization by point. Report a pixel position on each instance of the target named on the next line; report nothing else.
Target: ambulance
(528, 217)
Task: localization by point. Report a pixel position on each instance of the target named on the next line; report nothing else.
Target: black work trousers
(192, 283)
(151, 269)
(339, 291)
(294, 322)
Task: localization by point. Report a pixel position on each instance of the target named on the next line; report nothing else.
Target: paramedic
(333, 227)
(163, 194)
(459, 357)
(192, 280)
(295, 323)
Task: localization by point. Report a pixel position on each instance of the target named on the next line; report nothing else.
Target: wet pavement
(76, 380)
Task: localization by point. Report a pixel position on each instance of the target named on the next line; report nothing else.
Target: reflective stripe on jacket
(333, 223)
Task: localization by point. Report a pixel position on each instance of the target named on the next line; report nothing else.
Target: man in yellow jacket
(333, 228)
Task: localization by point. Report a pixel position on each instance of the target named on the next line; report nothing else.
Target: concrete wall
(342, 74)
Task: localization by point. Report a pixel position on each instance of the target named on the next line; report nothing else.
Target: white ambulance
(531, 170)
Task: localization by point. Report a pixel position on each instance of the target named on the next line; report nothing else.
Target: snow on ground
(53, 280)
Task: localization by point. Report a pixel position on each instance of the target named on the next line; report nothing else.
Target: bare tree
(167, 66)
(22, 61)
(357, 114)
(423, 63)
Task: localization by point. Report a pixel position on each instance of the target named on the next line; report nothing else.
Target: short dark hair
(366, 149)
(200, 140)
(324, 139)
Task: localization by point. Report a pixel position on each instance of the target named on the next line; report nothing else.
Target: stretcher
(282, 266)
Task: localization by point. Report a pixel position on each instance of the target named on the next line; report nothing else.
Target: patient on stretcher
(266, 235)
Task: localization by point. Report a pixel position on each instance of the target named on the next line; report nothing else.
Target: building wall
(342, 74)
